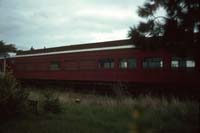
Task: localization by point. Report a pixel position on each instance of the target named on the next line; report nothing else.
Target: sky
(52, 23)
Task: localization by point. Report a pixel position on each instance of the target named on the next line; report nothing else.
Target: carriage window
(178, 62)
(182, 62)
(190, 63)
(106, 63)
(123, 63)
(174, 64)
(55, 65)
(127, 63)
(153, 62)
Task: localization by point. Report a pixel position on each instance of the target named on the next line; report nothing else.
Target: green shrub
(12, 97)
(51, 102)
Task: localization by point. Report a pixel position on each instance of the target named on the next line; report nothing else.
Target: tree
(32, 48)
(181, 25)
(12, 97)
(7, 47)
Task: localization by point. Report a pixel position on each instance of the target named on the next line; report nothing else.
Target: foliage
(51, 102)
(7, 47)
(32, 48)
(76, 118)
(142, 114)
(12, 96)
(181, 25)
(146, 115)
(175, 117)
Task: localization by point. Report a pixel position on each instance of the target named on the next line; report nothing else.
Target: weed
(51, 102)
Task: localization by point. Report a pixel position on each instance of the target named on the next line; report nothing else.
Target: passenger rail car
(114, 61)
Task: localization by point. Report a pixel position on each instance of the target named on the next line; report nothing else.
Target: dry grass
(99, 113)
(69, 97)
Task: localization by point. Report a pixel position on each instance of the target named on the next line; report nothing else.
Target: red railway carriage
(114, 61)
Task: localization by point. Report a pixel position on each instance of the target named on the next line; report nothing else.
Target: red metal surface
(83, 66)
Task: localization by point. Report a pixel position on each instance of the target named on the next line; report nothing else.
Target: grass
(105, 114)
(76, 118)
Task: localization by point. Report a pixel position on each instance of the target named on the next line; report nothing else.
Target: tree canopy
(179, 27)
(7, 47)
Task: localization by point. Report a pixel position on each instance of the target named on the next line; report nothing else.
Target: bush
(12, 96)
(51, 102)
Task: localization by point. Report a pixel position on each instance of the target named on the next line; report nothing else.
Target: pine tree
(180, 26)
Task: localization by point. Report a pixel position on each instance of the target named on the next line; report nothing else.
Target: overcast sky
(52, 23)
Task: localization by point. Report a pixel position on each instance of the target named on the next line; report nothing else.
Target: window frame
(109, 61)
(128, 63)
(183, 60)
(57, 68)
(150, 66)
